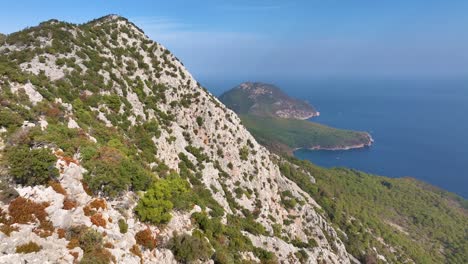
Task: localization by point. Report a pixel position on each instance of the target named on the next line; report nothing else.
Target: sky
(262, 39)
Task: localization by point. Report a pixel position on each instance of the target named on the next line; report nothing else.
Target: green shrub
(190, 248)
(113, 102)
(99, 256)
(32, 166)
(111, 172)
(199, 120)
(244, 153)
(9, 118)
(302, 256)
(247, 224)
(90, 240)
(123, 226)
(165, 194)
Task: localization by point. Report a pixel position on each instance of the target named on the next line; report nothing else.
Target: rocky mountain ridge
(122, 116)
(263, 99)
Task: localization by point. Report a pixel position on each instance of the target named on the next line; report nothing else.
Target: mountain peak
(115, 113)
(263, 99)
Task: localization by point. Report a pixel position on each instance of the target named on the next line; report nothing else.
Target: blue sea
(420, 128)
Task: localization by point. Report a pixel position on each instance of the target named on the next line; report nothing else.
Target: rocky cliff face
(263, 99)
(105, 83)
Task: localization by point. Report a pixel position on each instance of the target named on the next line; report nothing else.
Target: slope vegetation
(112, 152)
(282, 134)
(403, 219)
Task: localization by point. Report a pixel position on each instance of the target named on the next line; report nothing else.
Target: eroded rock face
(200, 121)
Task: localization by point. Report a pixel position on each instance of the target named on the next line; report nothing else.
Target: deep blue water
(420, 128)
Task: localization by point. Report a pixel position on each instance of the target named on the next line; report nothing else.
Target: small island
(279, 121)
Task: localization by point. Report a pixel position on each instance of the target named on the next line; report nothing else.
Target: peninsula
(279, 122)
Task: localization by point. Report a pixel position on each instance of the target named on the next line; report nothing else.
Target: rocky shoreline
(349, 147)
(315, 114)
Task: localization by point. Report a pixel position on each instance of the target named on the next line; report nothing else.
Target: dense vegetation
(369, 208)
(32, 166)
(285, 135)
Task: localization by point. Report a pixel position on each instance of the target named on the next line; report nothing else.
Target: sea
(419, 127)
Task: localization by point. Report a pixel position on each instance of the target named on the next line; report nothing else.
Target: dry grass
(8, 229)
(28, 248)
(57, 187)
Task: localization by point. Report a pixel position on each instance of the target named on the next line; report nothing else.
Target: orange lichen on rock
(98, 220)
(24, 211)
(88, 211)
(98, 203)
(69, 204)
(61, 233)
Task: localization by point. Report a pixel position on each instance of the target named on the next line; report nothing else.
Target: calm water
(420, 128)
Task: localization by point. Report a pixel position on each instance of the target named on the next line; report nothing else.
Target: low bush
(123, 226)
(111, 173)
(146, 239)
(190, 248)
(31, 166)
(98, 256)
(28, 248)
(244, 153)
(164, 195)
(90, 240)
(23, 211)
(199, 120)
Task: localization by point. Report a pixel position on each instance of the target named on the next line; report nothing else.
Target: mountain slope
(113, 152)
(401, 218)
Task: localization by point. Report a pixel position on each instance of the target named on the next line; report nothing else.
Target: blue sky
(285, 39)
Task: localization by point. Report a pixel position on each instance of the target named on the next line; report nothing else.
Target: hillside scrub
(31, 166)
(378, 205)
(163, 196)
(190, 248)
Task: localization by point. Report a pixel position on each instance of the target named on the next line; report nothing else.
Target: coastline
(314, 114)
(349, 147)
